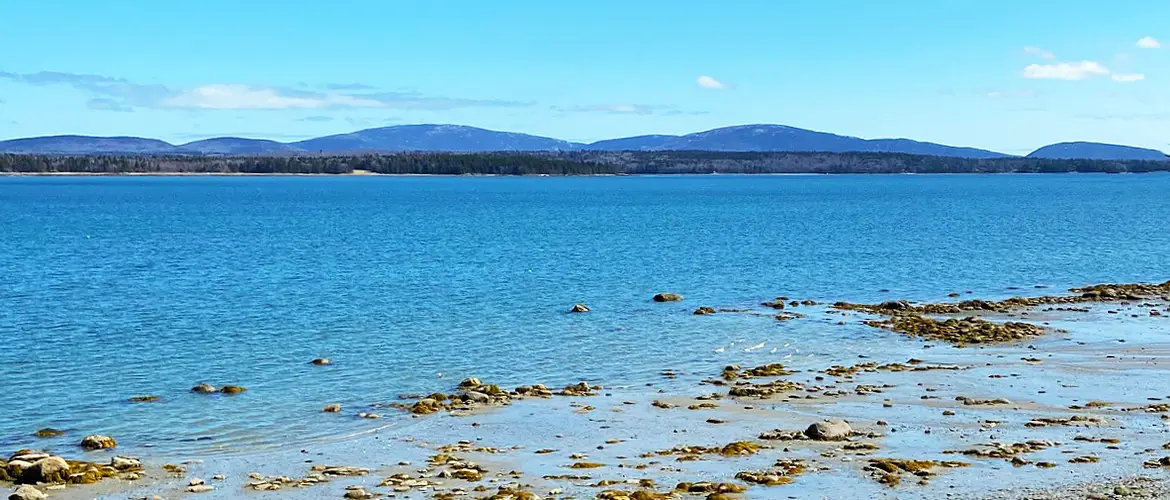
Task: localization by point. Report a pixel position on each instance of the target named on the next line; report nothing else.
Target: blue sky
(1004, 75)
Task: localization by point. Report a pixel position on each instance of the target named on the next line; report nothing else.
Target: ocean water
(116, 287)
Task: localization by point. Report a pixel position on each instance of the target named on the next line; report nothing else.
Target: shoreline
(713, 174)
(577, 442)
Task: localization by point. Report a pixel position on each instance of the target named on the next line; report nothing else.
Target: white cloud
(1065, 70)
(1128, 77)
(1039, 52)
(1149, 42)
(710, 83)
(236, 96)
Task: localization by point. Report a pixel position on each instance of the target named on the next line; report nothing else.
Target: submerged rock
(145, 399)
(49, 432)
(204, 389)
(667, 297)
(98, 442)
(232, 389)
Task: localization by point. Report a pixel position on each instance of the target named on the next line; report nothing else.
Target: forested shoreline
(560, 163)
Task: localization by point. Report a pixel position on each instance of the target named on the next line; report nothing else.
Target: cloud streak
(120, 94)
(628, 109)
(1039, 52)
(1128, 77)
(1080, 70)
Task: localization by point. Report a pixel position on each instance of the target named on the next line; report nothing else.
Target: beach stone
(98, 442)
(321, 362)
(667, 297)
(44, 470)
(829, 430)
(200, 488)
(579, 308)
(204, 389)
(27, 493)
(333, 408)
(125, 463)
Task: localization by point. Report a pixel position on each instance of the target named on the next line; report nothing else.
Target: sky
(1005, 75)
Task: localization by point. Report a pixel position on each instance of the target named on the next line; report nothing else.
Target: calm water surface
(119, 287)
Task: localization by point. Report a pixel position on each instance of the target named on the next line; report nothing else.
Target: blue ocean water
(116, 287)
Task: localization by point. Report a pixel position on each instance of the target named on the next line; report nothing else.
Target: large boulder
(27, 493)
(98, 442)
(45, 470)
(667, 297)
(829, 430)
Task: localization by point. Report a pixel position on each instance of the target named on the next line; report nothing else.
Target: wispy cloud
(1128, 77)
(1039, 52)
(315, 118)
(1065, 70)
(106, 104)
(1011, 94)
(708, 82)
(1126, 116)
(219, 96)
(1149, 42)
(348, 86)
(627, 109)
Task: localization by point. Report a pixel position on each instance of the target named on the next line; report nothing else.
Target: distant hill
(80, 144)
(454, 138)
(1097, 151)
(781, 138)
(463, 139)
(236, 145)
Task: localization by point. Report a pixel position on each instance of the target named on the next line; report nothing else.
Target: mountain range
(458, 138)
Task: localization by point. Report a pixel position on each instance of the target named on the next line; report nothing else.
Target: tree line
(561, 163)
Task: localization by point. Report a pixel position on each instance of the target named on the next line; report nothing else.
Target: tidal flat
(946, 412)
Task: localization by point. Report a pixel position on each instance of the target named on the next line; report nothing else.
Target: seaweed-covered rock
(232, 389)
(48, 432)
(98, 442)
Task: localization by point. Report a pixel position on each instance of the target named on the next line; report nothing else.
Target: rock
(1122, 490)
(218, 477)
(204, 389)
(321, 362)
(579, 308)
(125, 463)
(232, 389)
(829, 430)
(49, 432)
(470, 382)
(44, 470)
(27, 493)
(200, 488)
(357, 492)
(195, 482)
(145, 399)
(704, 311)
(478, 397)
(667, 297)
(98, 442)
(333, 408)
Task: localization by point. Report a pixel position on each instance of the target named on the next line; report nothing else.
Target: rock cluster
(889, 471)
(32, 467)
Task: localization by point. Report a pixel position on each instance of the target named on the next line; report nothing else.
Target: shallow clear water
(119, 287)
